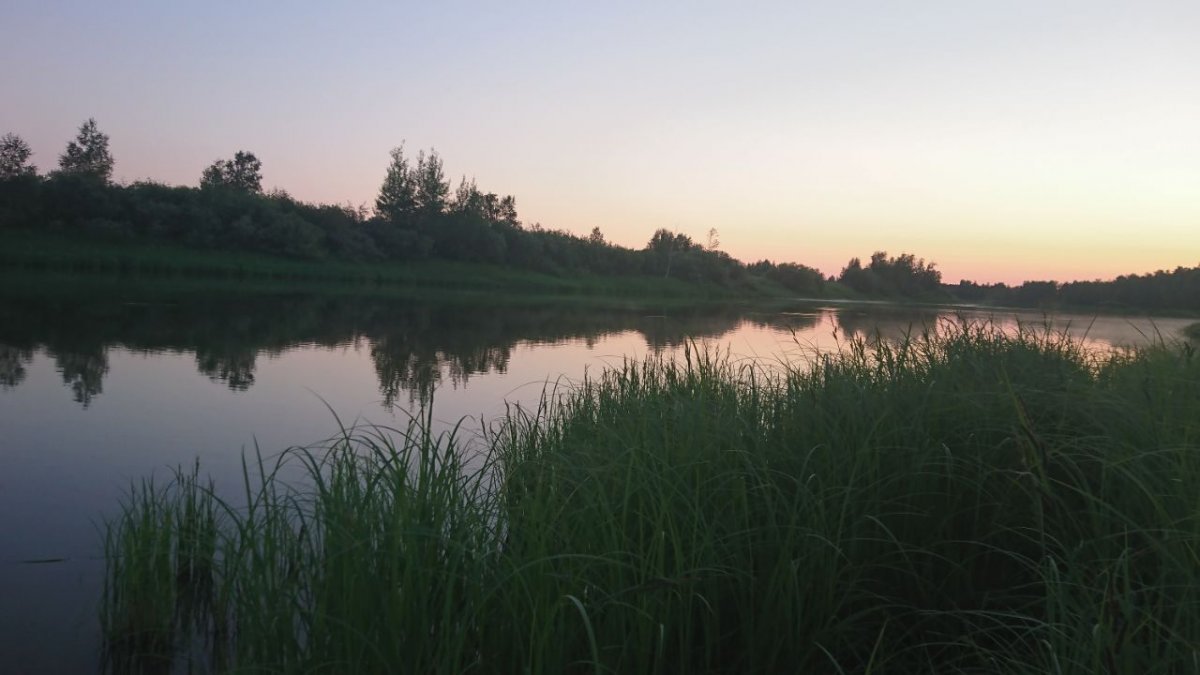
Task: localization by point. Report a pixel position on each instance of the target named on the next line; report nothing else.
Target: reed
(962, 500)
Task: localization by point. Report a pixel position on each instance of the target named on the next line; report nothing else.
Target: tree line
(1170, 290)
(417, 216)
(904, 275)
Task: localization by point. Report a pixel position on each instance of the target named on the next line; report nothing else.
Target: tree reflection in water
(82, 370)
(12, 365)
(415, 346)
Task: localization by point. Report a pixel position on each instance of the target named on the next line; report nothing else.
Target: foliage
(243, 172)
(665, 244)
(14, 158)
(674, 254)
(88, 154)
(432, 188)
(1177, 289)
(397, 200)
(904, 275)
(794, 277)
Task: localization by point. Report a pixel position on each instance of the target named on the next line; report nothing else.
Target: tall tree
(665, 244)
(88, 154)
(714, 239)
(506, 213)
(432, 187)
(468, 200)
(397, 200)
(243, 172)
(14, 157)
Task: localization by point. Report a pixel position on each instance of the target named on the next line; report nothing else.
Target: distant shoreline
(67, 255)
(74, 255)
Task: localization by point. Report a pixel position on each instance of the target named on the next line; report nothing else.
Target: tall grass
(960, 501)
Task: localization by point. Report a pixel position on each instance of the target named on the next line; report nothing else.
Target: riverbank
(973, 502)
(61, 254)
(59, 259)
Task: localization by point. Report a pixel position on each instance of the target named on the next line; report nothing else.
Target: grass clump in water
(968, 500)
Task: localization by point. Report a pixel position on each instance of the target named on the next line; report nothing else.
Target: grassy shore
(60, 253)
(1192, 331)
(970, 502)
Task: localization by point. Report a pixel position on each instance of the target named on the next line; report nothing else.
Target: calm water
(99, 387)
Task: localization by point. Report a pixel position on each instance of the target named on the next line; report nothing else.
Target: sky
(1005, 141)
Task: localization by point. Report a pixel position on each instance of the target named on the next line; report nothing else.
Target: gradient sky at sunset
(1005, 140)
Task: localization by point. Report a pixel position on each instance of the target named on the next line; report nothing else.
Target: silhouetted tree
(14, 158)
(791, 276)
(243, 172)
(394, 228)
(714, 239)
(397, 200)
(470, 227)
(665, 245)
(88, 154)
(1035, 294)
(904, 274)
(854, 276)
(468, 199)
(20, 188)
(970, 291)
(432, 188)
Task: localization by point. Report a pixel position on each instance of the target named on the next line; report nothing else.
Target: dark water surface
(100, 387)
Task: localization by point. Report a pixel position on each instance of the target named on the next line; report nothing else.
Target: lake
(103, 384)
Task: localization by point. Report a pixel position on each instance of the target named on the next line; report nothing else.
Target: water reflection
(416, 347)
(12, 365)
(234, 366)
(890, 323)
(82, 370)
(97, 388)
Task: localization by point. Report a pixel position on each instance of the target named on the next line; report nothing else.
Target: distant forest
(418, 215)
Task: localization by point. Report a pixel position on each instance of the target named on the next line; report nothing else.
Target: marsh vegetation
(965, 500)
